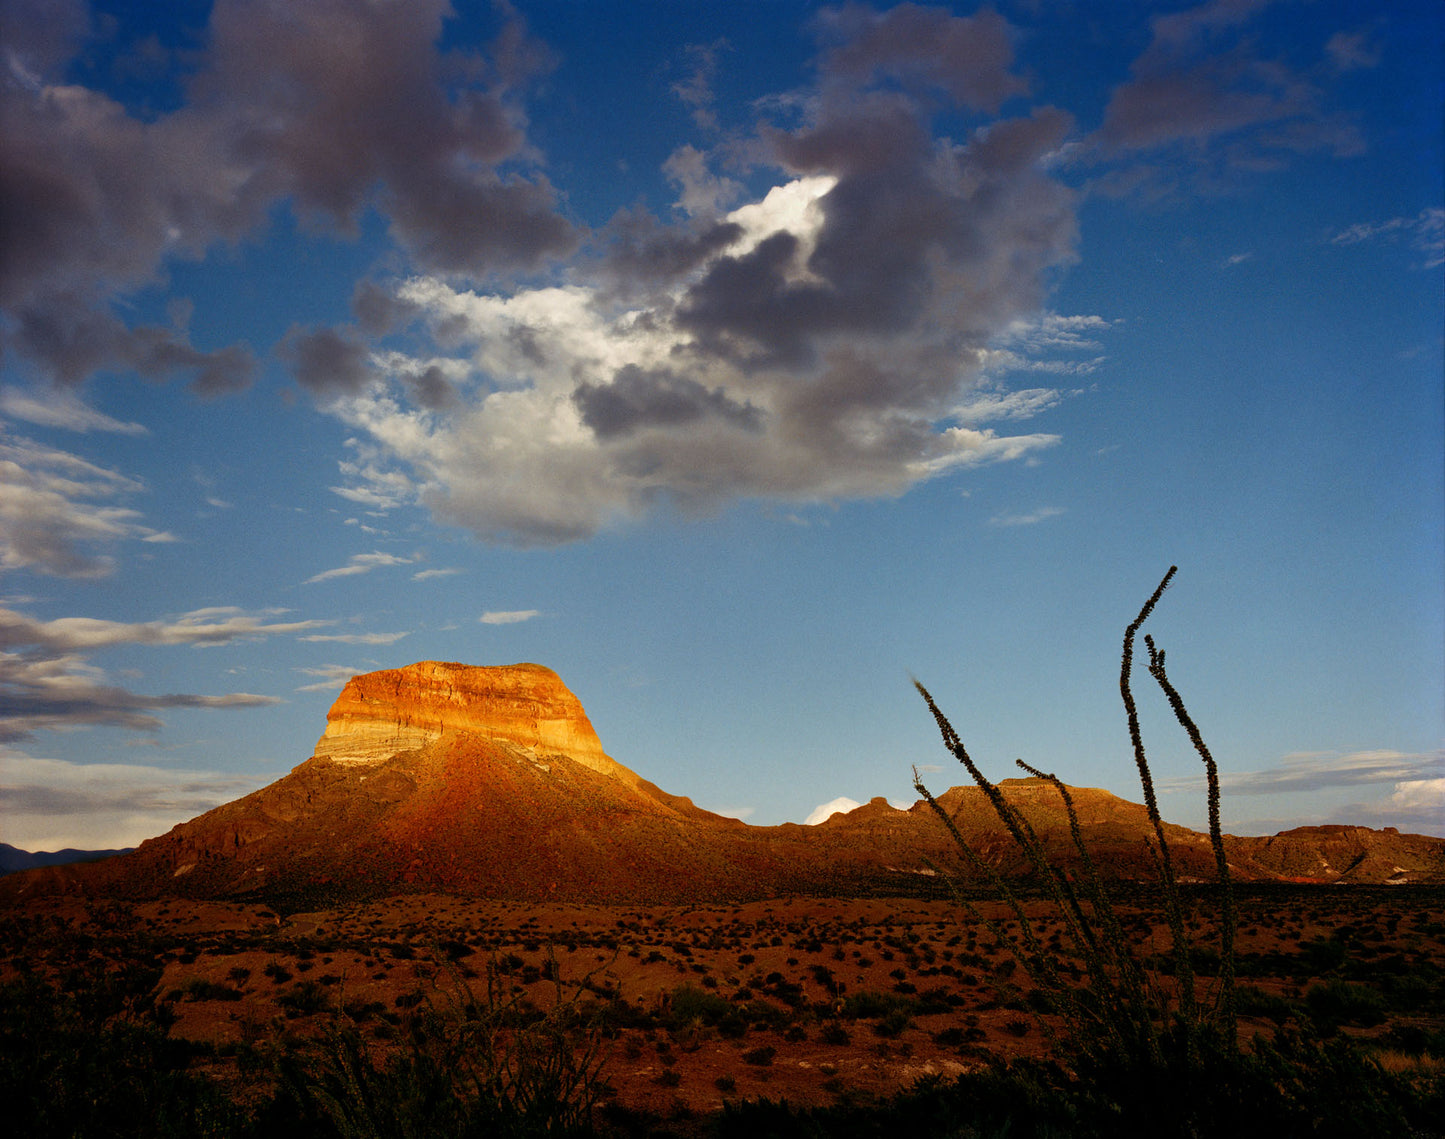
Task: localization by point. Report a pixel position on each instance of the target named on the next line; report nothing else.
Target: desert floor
(808, 999)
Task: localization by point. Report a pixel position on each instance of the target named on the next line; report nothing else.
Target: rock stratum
(490, 781)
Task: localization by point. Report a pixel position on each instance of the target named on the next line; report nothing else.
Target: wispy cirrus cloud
(63, 409)
(48, 683)
(1318, 771)
(428, 574)
(508, 616)
(51, 804)
(1031, 518)
(58, 511)
(359, 564)
(356, 638)
(213, 626)
(1425, 232)
(332, 677)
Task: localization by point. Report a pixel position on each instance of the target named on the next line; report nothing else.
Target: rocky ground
(806, 999)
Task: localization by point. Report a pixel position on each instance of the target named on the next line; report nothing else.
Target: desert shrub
(690, 1005)
(1251, 1000)
(68, 1072)
(869, 1004)
(471, 1063)
(277, 972)
(834, 1034)
(1335, 1002)
(302, 999)
(200, 989)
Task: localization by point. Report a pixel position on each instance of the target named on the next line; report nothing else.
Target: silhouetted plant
(1119, 1014)
(82, 1062)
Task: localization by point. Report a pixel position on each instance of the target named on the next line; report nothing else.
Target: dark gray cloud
(636, 399)
(431, 390)
(1203, 101)
(328, 362)
(71, 340)
(378, 310)
(907, 219)
(333, 105)
(642, 254)
(968, 58)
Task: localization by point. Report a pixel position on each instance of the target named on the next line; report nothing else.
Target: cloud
(508, 616)
(1425, 232)
(742, 814)
(1415, 805)
(428, 574)
(334, 107)
(696, 90)
(57, 508)
(333, 676)
(1317, 771)
(1352, 51)
(357, 638)
(328, 362)
(824, 811)
(63, 409)
(636, 399)
(359, 564)
(215, 626)
(1033, 518)
(967, 57)
(47, 683)
(1202, 102)
(817, 343)
(50, 804)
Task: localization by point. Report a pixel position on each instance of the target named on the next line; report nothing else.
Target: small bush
(200, 989)
(1336, 1002)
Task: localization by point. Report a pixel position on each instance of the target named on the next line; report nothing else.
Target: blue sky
(737, 361)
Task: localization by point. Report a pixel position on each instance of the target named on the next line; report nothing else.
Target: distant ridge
(12, 858)
(491, 782)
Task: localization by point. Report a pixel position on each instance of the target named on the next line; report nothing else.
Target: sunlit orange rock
(381, 714)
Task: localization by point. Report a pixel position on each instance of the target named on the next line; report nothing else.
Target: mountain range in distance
(491, 782)
(12, 858)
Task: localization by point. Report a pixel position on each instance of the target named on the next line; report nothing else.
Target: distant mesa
(380, 714)
(491, 782)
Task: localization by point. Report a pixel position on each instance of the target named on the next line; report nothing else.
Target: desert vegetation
(1050, 1004)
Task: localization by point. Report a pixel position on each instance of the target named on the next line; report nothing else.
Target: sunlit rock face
(380, 714)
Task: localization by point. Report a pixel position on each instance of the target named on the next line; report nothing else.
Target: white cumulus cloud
(825, 811)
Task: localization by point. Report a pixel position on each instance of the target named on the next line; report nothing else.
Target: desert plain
(812, 1000)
